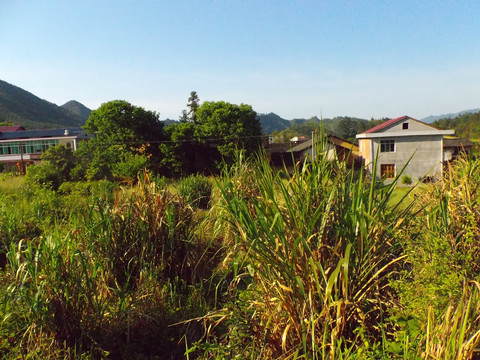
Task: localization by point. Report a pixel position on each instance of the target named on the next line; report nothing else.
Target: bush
(44, 174)
(196, 190)
(406, 180)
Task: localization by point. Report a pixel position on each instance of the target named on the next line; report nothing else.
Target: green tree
(228, 126)
(119, 128)
(193, 105)
(55, 169)
(178, 155)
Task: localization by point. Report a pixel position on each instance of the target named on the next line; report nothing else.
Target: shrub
(406, 180)
(44, 174)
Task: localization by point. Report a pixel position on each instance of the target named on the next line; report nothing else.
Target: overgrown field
(322, 263)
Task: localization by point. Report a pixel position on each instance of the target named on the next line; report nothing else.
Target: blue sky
(295, 58)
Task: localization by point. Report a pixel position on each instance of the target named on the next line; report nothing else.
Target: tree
(120, 128)
(55, 168)
(178, 156)
(193, 104)
(228, 126)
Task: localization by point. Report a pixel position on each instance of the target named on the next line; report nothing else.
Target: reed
(316, 249)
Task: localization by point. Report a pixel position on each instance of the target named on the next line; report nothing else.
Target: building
(288, 155)
(20, 148)
(453, 147)
(407, 143)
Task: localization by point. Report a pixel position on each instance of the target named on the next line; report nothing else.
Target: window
(405, 126)
(387, 145)
(387, 171)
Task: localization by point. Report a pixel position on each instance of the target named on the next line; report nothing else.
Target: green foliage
(196, 190)
(228, 126)
(129, 166)
(121, 144)
(45, 175)
(178, 157)
(199, 143)
(466, 125)
(444, 250)
(406, 180)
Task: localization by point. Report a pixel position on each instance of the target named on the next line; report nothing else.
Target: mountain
(78, 109)
(432, 118)
(272, 122)
(23, 108)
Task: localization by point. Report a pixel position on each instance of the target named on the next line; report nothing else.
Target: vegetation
(207, 137)
(320, 263)
(342, 126)
(465, 125)
(18, 106)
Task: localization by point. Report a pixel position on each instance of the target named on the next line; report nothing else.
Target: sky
(362, 58)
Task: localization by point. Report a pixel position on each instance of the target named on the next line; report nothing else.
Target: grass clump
(196, 190)
(314, 253)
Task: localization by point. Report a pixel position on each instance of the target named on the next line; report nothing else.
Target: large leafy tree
(228, 126)
(122, 139)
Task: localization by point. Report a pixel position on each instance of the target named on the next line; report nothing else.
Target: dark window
(387, 145)
(405, 126)
(387, 171)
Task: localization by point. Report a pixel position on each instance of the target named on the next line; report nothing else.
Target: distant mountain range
(20, 107)
(432, 118)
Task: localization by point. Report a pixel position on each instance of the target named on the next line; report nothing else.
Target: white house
(400, 141)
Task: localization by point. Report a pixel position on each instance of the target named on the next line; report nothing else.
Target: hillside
(23, 108)
(432, 118)
(272, 122)
(78, 109)
(465, 125)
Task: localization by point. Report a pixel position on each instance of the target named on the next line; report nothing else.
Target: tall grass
(113, 284)
(317, 247)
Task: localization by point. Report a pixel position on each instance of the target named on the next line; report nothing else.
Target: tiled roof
(44, 133)
(385, 124)
(11, 128)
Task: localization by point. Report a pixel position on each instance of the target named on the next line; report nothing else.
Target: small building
(288, 155)
(404, 142)
(27, 146)
(454, 146)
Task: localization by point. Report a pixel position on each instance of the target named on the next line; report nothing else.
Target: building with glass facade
(20, 148)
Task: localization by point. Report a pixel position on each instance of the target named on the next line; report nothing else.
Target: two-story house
(401, 142)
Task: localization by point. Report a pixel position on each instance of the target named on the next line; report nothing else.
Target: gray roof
(42, 133)
(457, 142)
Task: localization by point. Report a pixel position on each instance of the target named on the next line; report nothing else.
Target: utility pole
(22, 166)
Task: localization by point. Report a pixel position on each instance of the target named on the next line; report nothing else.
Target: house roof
(460, 142)
(385, 124)
(43, 133)
(331, 139)
(302, 146)
(392, 122)
(376, 131)
(11, 128)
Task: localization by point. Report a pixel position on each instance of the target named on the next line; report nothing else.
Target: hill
(432, 118)
(78, 109)
(272, 122)
(23, 108)
(465, 125)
